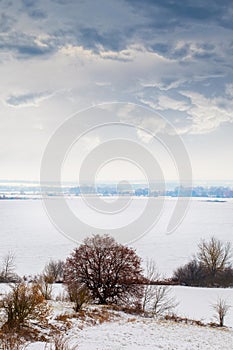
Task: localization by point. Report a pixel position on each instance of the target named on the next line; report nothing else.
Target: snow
(134, 333)
(151, 334)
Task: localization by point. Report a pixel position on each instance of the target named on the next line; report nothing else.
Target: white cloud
(162, 85)
(77, 51)
(207, 114)
(203, 115)
(131, 53)
(165, 102)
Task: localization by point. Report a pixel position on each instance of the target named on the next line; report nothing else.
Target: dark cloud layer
(143, 22)
(189, 10)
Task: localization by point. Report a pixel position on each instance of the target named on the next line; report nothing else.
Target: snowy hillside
(149, 334)
(134, 333)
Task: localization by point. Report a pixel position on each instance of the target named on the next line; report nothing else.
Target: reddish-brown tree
(111, 271)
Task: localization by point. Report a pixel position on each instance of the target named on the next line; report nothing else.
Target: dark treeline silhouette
(210, 267)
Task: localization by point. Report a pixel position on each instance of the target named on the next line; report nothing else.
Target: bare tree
(214, 256)
(111, 271)
(54, 271)
(157, 298)
(151, 275)
(7, 273)
(163, 301)
(221, 308)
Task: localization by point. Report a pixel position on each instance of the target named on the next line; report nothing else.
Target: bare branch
(151, 275)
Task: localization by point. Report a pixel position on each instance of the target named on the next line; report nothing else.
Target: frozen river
(27, 232)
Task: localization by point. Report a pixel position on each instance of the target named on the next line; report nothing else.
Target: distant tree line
(210, 267)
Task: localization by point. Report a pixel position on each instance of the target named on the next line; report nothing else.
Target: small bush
(78, 294)
(45, 286)
(22, 303)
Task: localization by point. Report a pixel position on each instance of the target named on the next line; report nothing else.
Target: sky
(162, 61)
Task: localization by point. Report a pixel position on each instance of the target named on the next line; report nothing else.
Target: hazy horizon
(109, 182)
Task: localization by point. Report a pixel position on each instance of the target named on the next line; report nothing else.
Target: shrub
(45, 286)
(22, 303)
(78, 294)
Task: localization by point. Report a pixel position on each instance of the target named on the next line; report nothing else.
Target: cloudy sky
(58, 57)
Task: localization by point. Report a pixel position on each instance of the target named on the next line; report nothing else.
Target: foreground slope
(149, 334)
(100, 328)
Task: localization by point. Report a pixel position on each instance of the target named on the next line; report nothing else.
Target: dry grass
(26, 333)
(189, 321)
(65, 319)
(91, 316)
(11, 341)
(131, 310)
(99, 316)
(131, 320)
(185, 320)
